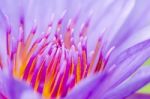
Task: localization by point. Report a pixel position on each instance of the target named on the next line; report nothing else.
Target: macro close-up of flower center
(79, 49)
(54, 66)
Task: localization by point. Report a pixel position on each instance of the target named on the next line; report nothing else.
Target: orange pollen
(53, 66)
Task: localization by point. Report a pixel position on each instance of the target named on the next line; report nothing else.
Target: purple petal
(134, 22)
(141, 36)
(13, 88)
(16, 88)
(30, 95)
(84, 89)
(116, 59)
(122, 71)
(3, 86)
(141, 78)
(139, 96)
(111, 17)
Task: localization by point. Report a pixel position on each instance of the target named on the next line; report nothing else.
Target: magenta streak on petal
(2, 96)
(8, 33)
(139, 96)
(35, 72)
(26, 73)
(64, 87)
(42, 79)
(21, 28)
(57, 79)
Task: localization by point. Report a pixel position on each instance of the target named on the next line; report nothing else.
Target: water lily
(79, 49)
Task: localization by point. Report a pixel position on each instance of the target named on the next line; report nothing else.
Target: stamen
(54, 66)
(21, 29)
(8, 40)
(1, 65)
(59, 24)
(96, 51)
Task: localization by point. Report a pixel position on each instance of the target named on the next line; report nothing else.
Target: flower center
(53, 66)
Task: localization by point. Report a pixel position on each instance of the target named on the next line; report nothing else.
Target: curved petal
(86, 87)
(134, 22)
(122, 71)
(138, 37)
(16, 88)
(12, 88)
(116, 59)
(141, 78)
(111, 18)
(125, 68)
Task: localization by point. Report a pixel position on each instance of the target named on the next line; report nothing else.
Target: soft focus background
(146, 89)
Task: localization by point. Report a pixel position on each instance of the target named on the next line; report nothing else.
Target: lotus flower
(79, 49)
